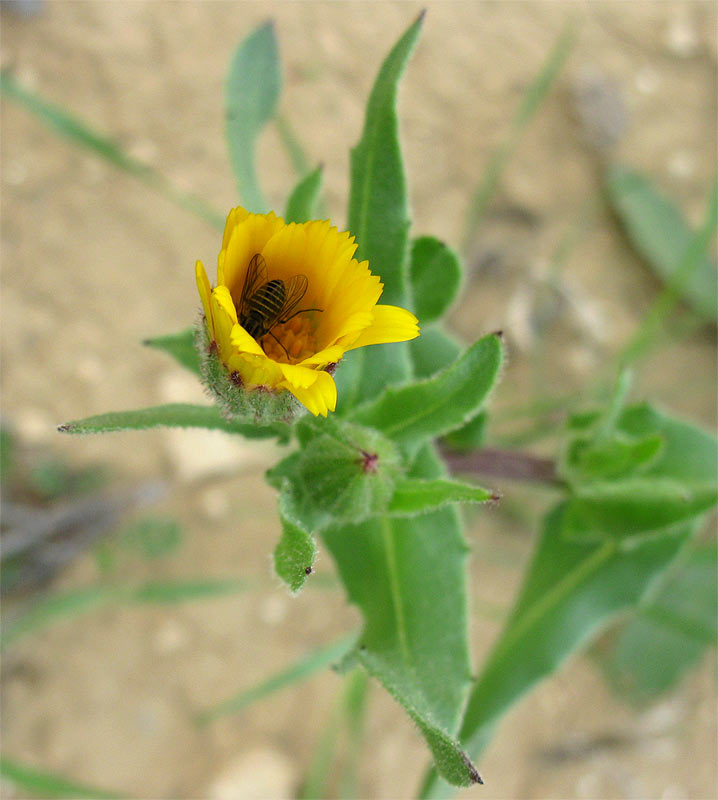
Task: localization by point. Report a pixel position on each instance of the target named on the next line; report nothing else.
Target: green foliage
(82, 135)
(253, 88)
(303, 201)
(469, 436)
(432, 351)
(660, 233)
(669, 632)
(418, 495)
(412, 414)
(296, 552)
(379, 218)
(435, 273)
(178, 415)
(48, 784)
(181, 346)
(298, 671)
(408, 577)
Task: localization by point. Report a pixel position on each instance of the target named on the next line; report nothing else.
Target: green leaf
(570, 591)
(659, 232)
(417, 495)
(82, 135)
(433, 350)
(530, 103)
(435, 273)
(296, 552)
(469, 436)
(302, 202)
(181, 346)
(615, 457)
(298, 671)
(177, 415)
(48, 784)
(669, 633)
(408, 577)
(411, 414)
(253, 88)
(634, 506)
(379, 218)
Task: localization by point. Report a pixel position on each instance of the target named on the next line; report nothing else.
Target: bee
(265, 304)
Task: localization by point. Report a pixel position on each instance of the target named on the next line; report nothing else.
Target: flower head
(290, 300)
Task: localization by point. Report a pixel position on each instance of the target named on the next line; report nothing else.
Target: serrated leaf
(659, 232)
(669, 633)
(253, 88)
(570, 591)
(433, 351)
(302, 202)
(296, 552)
(435, 273)
(408, 577)
(182, 415)
(634, 506)
(379, 218)
(417, 495)
(180, 346)
(425, 409)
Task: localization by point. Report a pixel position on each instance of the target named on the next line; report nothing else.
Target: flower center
(294, 339)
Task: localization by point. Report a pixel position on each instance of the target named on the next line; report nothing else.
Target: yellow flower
(296, 350)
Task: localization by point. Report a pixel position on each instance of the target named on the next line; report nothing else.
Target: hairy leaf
(379, 218)
(435, 273)
(408, 577)
(253, 89)
(411, 414)
(296, 551)
(433, 350)
(418, 495)
(178, 415)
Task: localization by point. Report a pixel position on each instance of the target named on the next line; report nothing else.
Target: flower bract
(302, 325)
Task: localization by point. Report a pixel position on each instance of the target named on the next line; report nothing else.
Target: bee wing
(256, 276)
(295, 289)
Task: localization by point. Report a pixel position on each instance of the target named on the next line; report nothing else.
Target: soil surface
(94, 262)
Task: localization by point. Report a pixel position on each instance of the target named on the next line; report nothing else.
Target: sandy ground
(93, 262)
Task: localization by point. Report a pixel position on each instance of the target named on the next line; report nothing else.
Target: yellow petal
(243, 342)
(224, 298)
(204, 292)
(329, 355)
(299, 377)
(391, 324)
(320, 397)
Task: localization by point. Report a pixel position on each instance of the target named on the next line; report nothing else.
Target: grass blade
(46, 784)
(298, 671)
(82, 135)
(531, 102)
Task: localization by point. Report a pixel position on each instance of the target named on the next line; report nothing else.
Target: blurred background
(102, 678)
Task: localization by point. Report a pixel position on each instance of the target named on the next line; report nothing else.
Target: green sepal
(414, 496)
(180, 346)
(303, 200)
(296, 551)
(255, 405)
(435, 275)
(434, 406)
(343, 473)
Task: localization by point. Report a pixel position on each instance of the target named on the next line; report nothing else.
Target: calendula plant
(311, 336)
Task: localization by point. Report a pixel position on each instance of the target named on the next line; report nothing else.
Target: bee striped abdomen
(265, 307)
